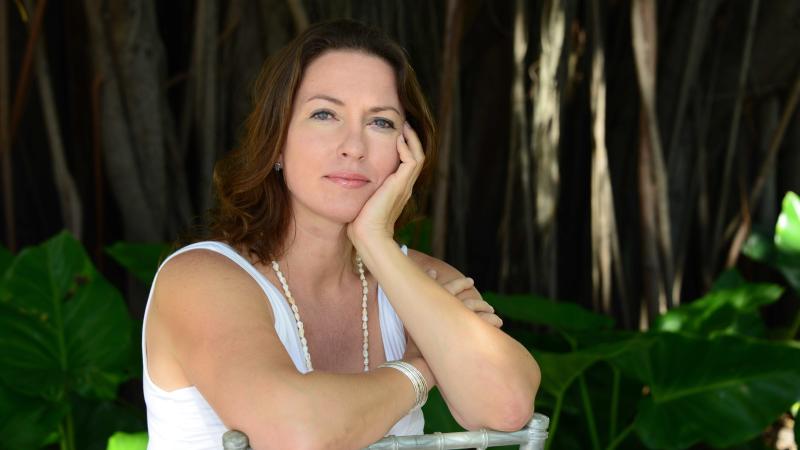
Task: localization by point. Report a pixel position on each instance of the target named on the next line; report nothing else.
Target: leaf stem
(66, 432)
(612, 428)
(554, 421)
(587, 405)
(620, 437)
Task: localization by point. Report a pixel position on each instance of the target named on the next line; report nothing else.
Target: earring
(278, 166)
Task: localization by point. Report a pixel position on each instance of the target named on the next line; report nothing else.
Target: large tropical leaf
(63, 328)
(563, 316)
(559, 370)
(5, 260)
(720, 391)
(141, 260)
(26, 422)
(96, 421)
(787, 240)
(722, 311)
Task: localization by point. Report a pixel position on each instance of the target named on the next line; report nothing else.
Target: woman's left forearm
(487, 376)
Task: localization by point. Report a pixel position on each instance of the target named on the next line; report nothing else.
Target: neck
(317, 254)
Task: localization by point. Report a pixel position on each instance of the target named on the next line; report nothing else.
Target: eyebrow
(335, 100)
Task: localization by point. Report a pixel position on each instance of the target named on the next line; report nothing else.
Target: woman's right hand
(463, 288)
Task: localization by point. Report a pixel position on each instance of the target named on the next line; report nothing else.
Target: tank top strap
(393, 334)
(284, 320)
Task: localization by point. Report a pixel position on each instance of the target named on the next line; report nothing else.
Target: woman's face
(342, 138)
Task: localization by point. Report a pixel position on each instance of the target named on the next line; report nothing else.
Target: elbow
(517, 406)
(512, 417)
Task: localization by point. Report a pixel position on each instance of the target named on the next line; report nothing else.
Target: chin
(342, 214)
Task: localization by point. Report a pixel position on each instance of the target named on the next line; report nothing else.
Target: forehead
(349, 74)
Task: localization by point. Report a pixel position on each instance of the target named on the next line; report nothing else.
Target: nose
(353, 145)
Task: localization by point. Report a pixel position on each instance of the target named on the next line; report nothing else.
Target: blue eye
(384, 123)
(322, 115)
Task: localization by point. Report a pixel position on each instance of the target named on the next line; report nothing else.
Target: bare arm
(220, 330)
(488, 378)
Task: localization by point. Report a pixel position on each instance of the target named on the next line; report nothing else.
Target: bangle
(416, 378)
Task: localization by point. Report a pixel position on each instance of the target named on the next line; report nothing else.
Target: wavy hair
(252, 211)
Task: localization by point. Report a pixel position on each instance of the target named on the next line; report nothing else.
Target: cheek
(386, 159)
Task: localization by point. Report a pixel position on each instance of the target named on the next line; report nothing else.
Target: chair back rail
(532, 437)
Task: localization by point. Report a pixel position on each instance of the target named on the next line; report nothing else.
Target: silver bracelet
(417, 380)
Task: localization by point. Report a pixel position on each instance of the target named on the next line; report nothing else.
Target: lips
(348, 179)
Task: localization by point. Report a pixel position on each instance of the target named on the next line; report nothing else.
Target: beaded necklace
(300, 327)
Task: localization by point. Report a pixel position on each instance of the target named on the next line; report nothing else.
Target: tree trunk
(546, 134)
(69, 199)
(450, 62)
(656, 237)
(5, 141)
(128, 55)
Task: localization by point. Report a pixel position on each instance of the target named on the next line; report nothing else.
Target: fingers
(413, 142)
(491, 319)
(478, 305)
(410, 151)
(458, 285)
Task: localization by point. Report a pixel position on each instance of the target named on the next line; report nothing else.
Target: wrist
(423, 367)
(372, 244)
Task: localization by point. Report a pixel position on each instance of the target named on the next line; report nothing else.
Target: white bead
(366, 353)
(366, 333)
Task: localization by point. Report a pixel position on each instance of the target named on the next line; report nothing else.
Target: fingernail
(432, 273)
(470, 280)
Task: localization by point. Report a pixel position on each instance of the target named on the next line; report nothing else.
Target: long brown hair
(252, 210)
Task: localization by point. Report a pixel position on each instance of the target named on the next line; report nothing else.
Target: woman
(281, 323)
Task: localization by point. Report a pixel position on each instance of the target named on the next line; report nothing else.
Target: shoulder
(445, 271)
(203, 266)
(202, 277)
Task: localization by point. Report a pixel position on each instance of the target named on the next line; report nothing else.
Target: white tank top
(183, 419)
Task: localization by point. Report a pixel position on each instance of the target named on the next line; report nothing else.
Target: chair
(532, 437)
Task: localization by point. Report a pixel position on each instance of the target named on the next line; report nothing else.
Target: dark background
(147, 98)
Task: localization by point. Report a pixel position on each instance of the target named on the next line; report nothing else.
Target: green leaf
(97, 422)
(719, 391)
(5, 260)
(722, 311)
(141, 260)
(417, 235)
(759, 246)
(128, 441)
(537, 310)
(729, 279)
(787, 240)
(26, 422)
(437, 416)
(559, 370)
(63, 328)
(787, 230)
